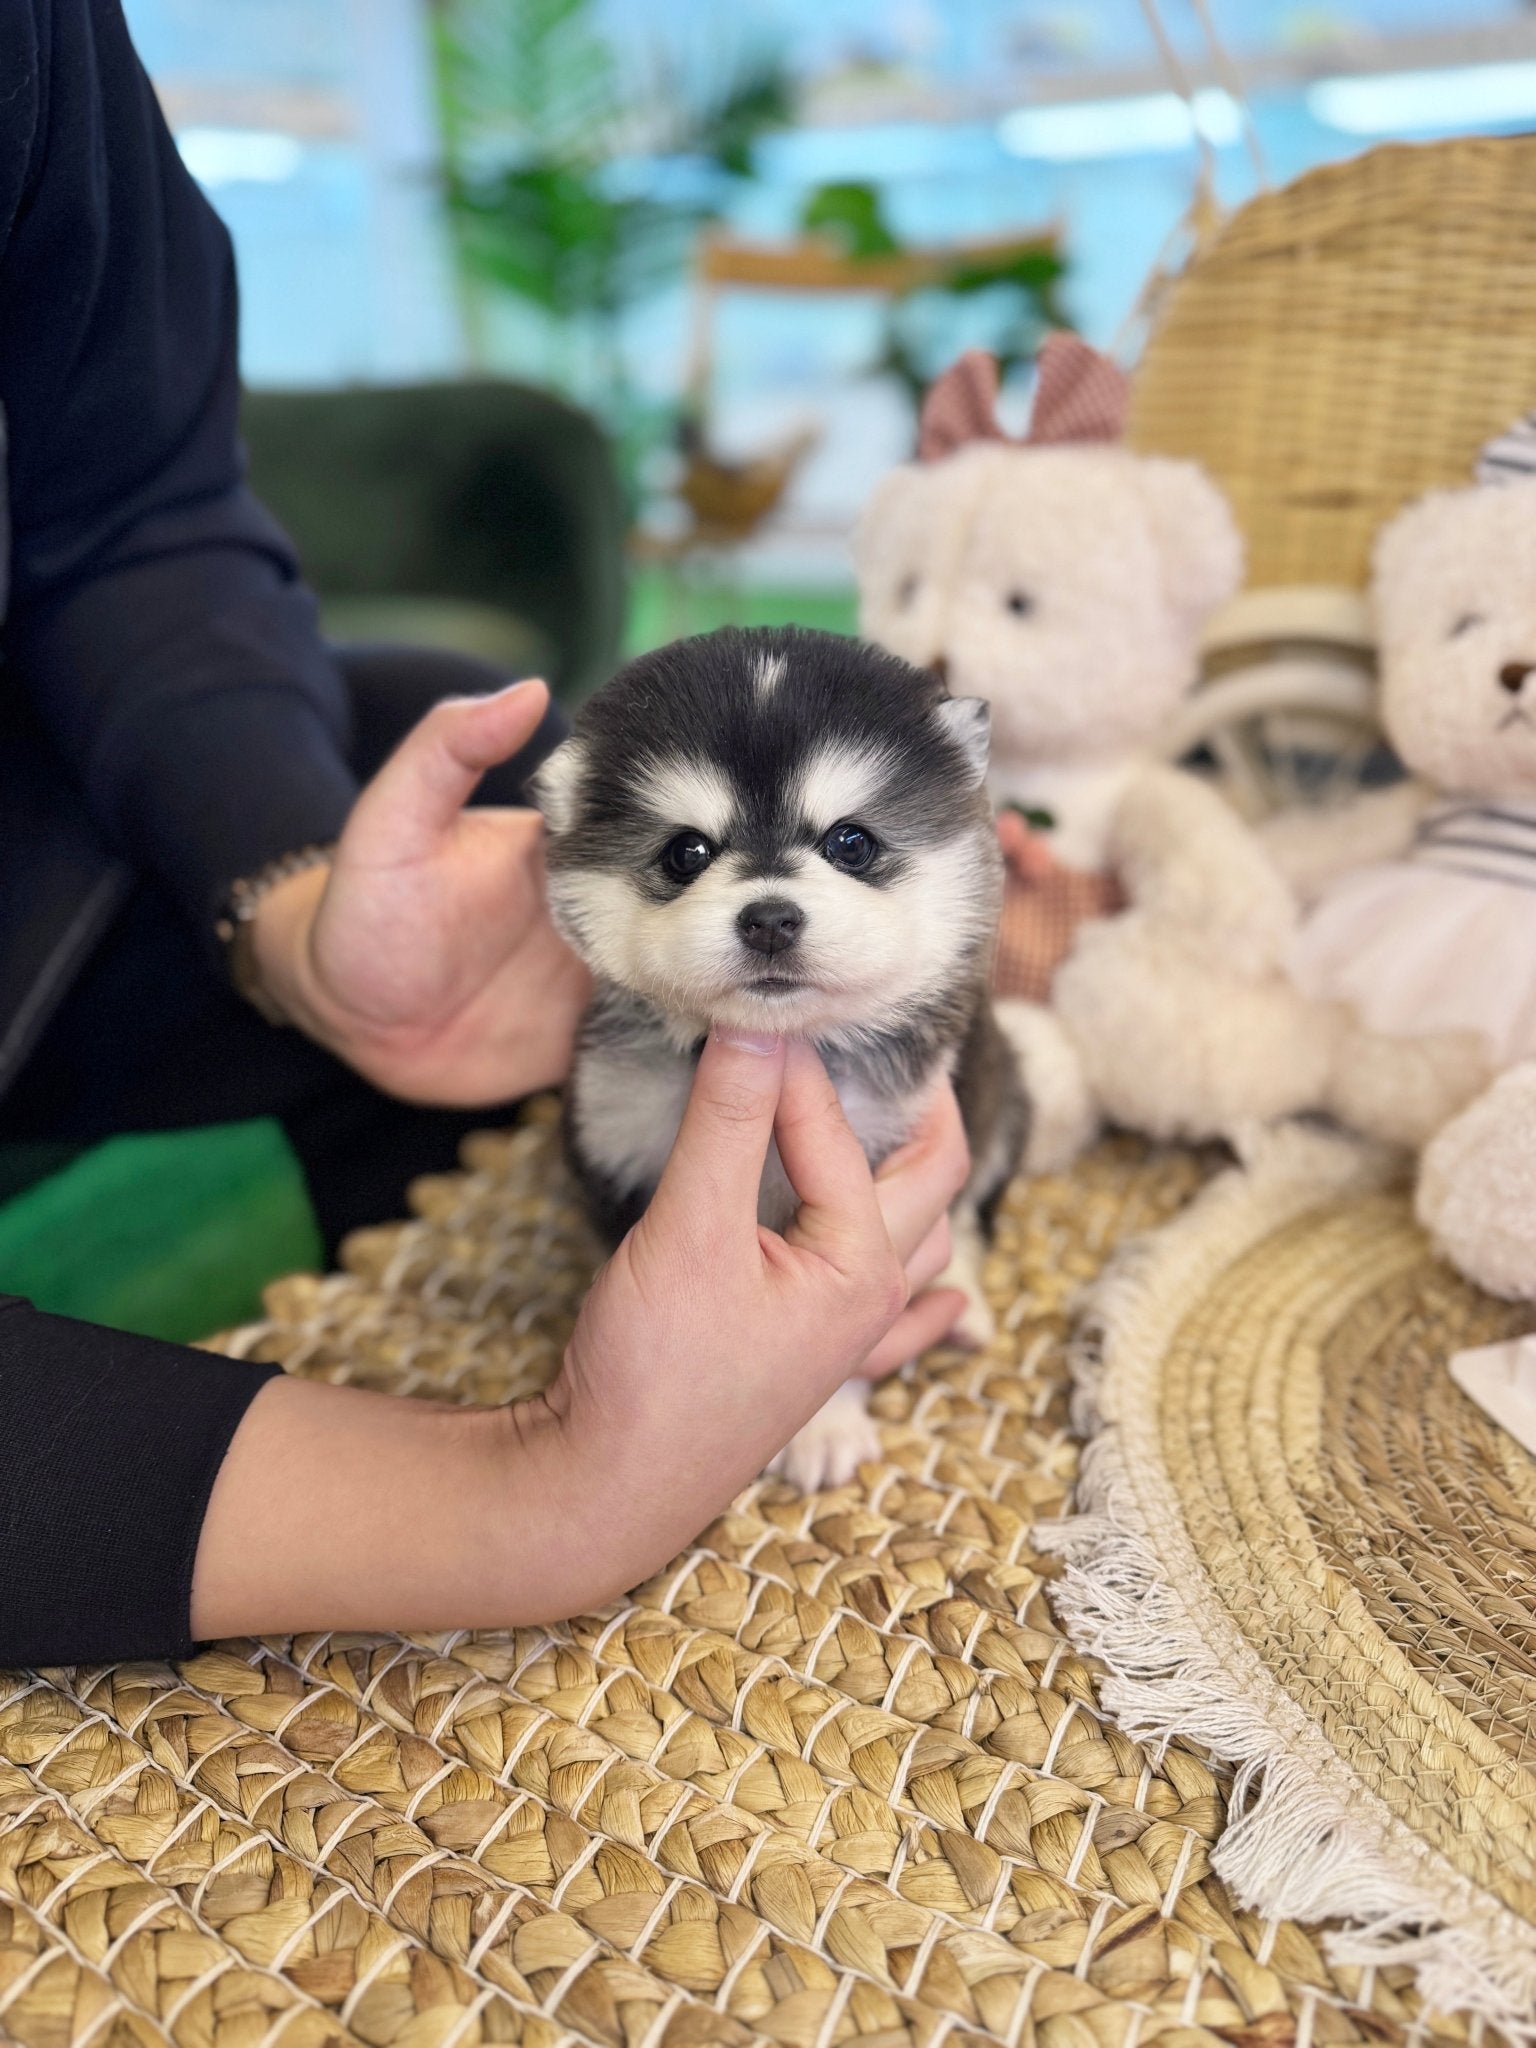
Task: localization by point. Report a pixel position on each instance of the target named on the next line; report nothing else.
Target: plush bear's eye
(1020, 603)
(850, 848)
(906, 590)
(689, 854)
(1465, 624)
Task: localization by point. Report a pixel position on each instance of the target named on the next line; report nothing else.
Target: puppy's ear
(556, 785)
(967, 724)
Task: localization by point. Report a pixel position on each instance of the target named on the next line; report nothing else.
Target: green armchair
(482, 516)
(485, 517)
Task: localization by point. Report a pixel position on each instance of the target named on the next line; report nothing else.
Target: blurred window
(309, 124)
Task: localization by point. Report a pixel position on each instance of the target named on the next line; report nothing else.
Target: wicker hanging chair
(1333, 349)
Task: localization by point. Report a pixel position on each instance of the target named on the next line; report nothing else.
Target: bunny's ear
(967, 724)
(1080, 395)
(961, 406)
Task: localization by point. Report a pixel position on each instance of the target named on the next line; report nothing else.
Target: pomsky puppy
(779, 830)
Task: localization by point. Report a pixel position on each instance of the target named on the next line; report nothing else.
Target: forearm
(340, 1508)
(197, 707)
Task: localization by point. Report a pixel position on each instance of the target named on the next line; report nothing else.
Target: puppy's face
(774, 831)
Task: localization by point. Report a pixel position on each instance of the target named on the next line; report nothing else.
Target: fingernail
(764, 1042)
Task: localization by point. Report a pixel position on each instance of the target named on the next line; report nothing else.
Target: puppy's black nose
(771, 926)
(1513, 674)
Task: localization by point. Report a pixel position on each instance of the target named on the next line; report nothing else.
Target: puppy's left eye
(1020, 603)
(906, 590)
(849, 848)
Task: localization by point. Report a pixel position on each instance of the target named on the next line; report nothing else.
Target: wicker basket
(1348, 341)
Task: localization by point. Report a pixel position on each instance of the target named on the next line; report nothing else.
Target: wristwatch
(237, 926)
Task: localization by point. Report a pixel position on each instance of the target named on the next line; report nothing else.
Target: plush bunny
(1067, 581)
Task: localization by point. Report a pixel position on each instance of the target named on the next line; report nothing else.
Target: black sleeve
(109, 1447)
(157, 619)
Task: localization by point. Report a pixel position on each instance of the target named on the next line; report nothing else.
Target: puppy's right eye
(689, 854)
(1465, 624)
(906, 590)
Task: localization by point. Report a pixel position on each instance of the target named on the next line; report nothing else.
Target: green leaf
(853, 216)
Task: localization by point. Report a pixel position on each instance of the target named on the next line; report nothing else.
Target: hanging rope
(1189, 234)
(1183, 85)
(1225, 66)
(1205, 212)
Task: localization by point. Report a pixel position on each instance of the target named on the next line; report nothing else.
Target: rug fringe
(1306, 1839)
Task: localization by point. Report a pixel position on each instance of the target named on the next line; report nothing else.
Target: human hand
(424, 956)
(707, 1341)
(1027, 852)
(915, 1187)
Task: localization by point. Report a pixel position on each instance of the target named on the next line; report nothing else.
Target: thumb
(716, 1166)
(413, 801)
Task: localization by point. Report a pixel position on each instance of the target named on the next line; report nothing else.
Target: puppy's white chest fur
(628, 1111)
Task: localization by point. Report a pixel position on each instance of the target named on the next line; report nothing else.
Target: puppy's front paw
(976, 1326)
(830, 1449)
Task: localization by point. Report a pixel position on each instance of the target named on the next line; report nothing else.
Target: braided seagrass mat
(1299, 1542)
(835, 1776)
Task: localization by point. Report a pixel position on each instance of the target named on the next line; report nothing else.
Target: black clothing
(152, 1037)
(110, 1444)
(170, 721)
(159, 649)
(109, 1447)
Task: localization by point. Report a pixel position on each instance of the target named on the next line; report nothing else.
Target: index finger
(916, 1185)
(824, 1161)
(716, 1164)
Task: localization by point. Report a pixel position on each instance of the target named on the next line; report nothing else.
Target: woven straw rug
(1301, 1544)
(834, 1776)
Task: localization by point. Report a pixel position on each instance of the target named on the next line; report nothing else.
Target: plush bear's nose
(1513, 674)
(770, 926)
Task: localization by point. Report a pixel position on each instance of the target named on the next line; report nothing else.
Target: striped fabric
(1496, 841)
(1509, 455)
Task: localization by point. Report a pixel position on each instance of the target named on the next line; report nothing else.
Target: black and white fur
(849, 895)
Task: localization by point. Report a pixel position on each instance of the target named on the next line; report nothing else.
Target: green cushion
(172, 1234)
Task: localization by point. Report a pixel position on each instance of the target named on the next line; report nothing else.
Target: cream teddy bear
(1422, 928)
(1429, 946)
(1067, 581)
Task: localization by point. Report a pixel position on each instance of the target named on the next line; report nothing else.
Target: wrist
(281, 954)
(551, 1559)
